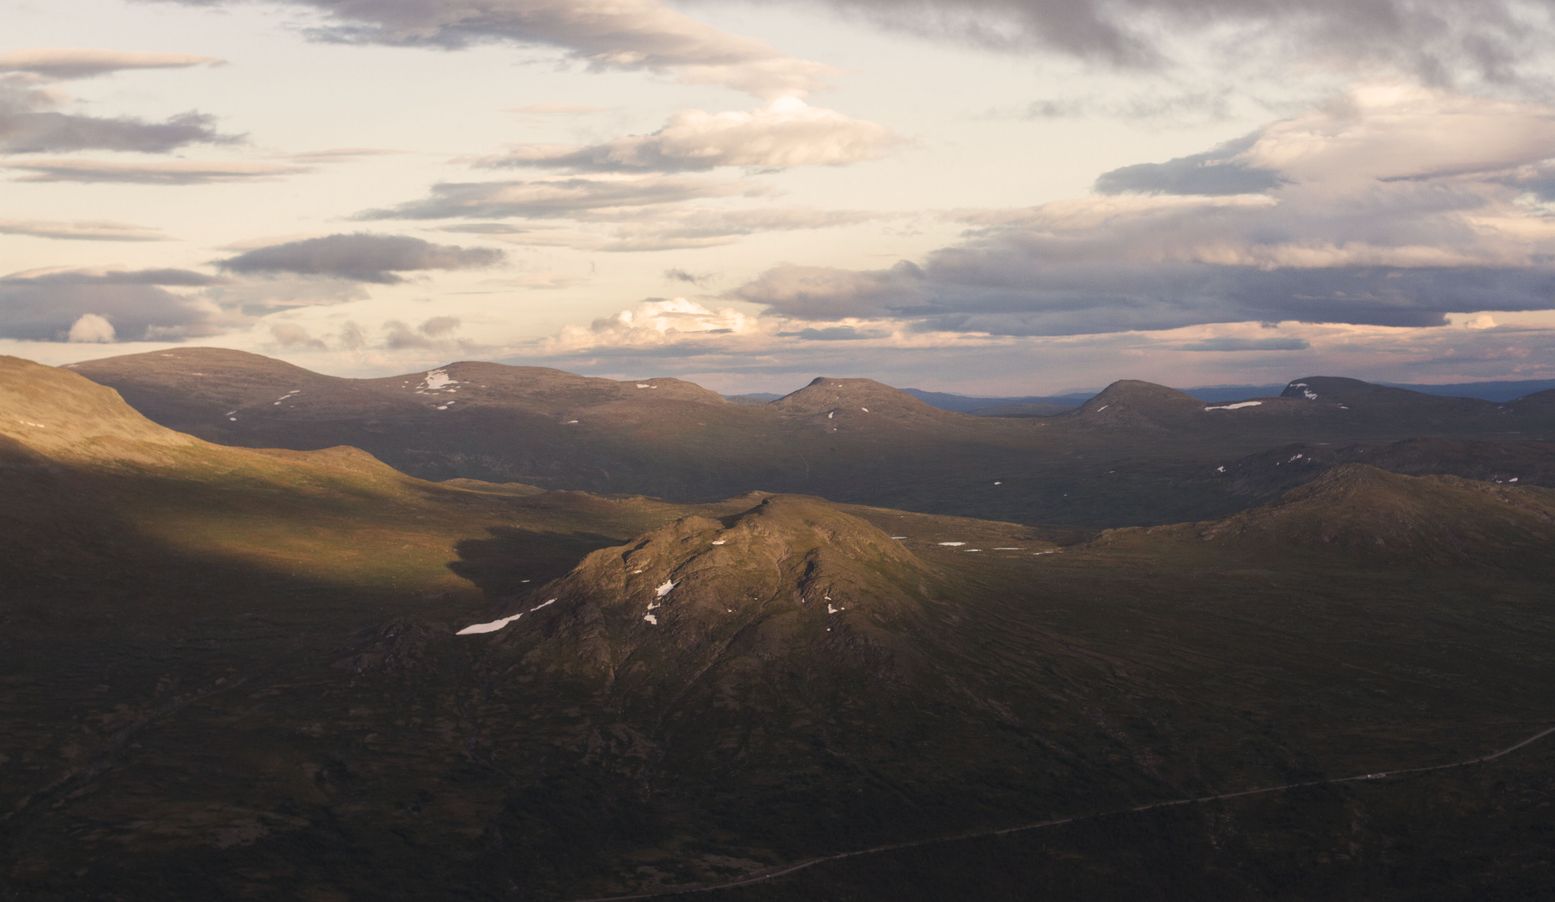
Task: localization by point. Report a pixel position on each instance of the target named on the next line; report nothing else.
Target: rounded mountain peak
(835, 397)
(1136, 401)
(792, 576)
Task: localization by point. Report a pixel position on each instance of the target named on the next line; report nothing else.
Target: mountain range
(1134, 454)
(251, 651)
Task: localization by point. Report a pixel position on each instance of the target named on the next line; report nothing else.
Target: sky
(982, 196)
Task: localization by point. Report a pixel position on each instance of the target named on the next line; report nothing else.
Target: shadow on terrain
(512, 561)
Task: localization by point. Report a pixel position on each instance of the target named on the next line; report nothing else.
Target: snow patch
(665, 588)
(436, 380)
(1220, 469)
(720, 541)
(865, 409)
(493, 626)
(651, 618)
(833, 609)
(952, 544)
(1102, 408)
(1237, 406)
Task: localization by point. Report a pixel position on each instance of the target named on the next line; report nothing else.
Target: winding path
(785, 870)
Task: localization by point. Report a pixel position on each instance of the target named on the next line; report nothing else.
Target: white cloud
(171, 172)
(651, 324)
(76, 62)
(786, 133)
(1394, 206)
(646, 35)
(79, 230)
(91, 328)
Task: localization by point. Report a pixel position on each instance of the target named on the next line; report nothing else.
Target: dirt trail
(785, 870)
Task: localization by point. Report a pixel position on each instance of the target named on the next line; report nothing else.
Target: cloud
(1214, 172)
(79, 230)
(699, 228)
(643, 35)
(654, 323)
(136, 305)
(440, 325)
(351, 337)
(786, 133)
(66, 63)
(173, 172)
(836, 333)
(173, 278)
(360, 257)
(1167, 109)
(1248, 344)
(551, 198)
(91, 328)
(291, 335)
(1491, 41)
(1394, 208)
(436, 332)
(31, 123)
(685, 277)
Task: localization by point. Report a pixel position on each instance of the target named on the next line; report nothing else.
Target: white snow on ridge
(833, 609)
(952, 544)
(653, 619)
(437, 380)
(491, 627)
(1237, 406)
(666, 588)
(1102, 408)
(720, 541)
